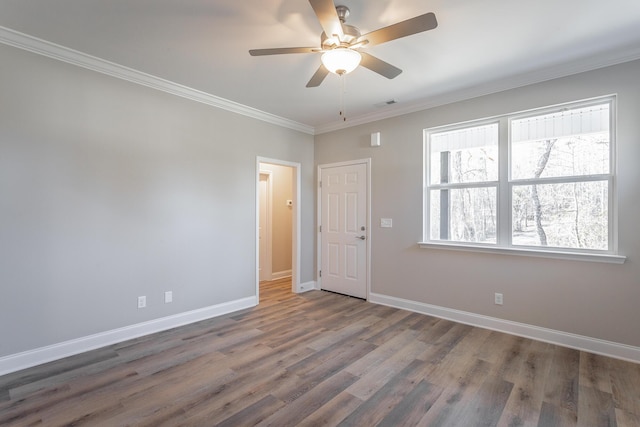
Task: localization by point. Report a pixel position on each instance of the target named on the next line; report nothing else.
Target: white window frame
(505, 185)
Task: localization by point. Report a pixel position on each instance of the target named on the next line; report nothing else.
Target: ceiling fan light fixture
(341, 60)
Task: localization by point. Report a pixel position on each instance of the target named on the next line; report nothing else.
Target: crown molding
(607, 59)
(74, 57)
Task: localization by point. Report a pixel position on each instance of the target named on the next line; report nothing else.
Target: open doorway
(278, 223)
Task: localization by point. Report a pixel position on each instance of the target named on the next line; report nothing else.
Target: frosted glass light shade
(341, 60)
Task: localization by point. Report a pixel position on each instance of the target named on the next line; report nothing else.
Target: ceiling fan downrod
(343, 13)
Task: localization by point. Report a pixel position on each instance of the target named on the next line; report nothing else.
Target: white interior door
(344, 234)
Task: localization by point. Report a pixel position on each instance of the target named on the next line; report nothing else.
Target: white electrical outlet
(498, 300)
(168, 297)
(142, 302)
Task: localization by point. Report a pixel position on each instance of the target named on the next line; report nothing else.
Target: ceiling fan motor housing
(351, 34)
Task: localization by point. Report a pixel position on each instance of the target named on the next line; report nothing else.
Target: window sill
(573, 256)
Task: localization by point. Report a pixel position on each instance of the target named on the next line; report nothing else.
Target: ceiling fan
(340, 42)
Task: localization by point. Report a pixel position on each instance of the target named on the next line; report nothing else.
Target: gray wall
(591, 299)
(110, 190)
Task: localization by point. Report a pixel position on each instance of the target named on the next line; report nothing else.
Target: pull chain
(343, 90)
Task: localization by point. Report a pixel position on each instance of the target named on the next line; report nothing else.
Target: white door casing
(344, 232)
(296, 223)
(264, 228)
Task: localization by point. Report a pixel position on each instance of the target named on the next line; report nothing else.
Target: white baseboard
(307, 286)
(280, 274)
(565, 339)
(27, 359)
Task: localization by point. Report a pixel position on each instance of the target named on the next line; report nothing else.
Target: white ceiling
(478, 47)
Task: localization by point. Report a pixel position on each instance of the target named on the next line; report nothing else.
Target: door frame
(367, 162)
(295, 232)
(266, 235)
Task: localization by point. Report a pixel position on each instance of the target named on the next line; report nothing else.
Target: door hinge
(321, 229)
(320, 273)
(320, 184)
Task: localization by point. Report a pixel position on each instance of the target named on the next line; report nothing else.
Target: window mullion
(562, 179)
(504, 187)
(613, 171)
(458, 186)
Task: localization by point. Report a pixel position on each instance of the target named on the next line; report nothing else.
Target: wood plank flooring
(322, 359)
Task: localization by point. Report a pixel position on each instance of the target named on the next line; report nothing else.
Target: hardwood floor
(321, 359)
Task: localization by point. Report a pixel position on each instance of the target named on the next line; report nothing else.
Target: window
(540, 181)
(463, 183)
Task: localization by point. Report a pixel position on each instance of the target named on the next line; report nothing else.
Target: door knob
(360, 237)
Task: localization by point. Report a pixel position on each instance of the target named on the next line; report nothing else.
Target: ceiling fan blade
(379, 66)
(326, 12)
(401, 29)
(283, 50)
(318, 77)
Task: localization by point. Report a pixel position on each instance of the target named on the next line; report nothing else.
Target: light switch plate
(386, 222)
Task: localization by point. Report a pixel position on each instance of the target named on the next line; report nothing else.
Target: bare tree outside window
(558, 184)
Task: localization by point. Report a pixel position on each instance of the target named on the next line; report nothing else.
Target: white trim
(267, 273)
(369, 231)
(537, 76)
(565, 339)
(74, 57)
(505, 184)
(572, 256)
(28, 359)
(296, 223)
(71, 56)
(307, 286)
(280, 274)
